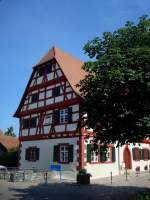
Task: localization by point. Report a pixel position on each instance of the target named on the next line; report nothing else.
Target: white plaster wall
(32, 131)
(46, 153)
(69, 96)
(39, 80)
(71, 127)
(32, 106)
(135, 164)
(48, 93)
(75, 108)
(46, 129)
(75, 117)
(49, 101)
(50, 76)
(59, 99)
(60, 128)
(59, 73)
(68, 89)
(40, 103)
(25, 132)
(41, 95)
(103, 169)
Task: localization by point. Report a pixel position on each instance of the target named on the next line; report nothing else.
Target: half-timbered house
(50, 123)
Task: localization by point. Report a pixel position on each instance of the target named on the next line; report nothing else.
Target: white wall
(98, 170)
(46, 153)
(135, 164)
(103, 169)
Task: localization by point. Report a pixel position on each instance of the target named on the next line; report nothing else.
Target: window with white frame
(108, 154)
(94, 156)
(63, 115)
(64, 153)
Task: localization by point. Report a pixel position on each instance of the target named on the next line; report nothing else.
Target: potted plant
(83, 177)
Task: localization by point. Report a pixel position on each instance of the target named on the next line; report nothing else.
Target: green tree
(10, 132)
(117, 87)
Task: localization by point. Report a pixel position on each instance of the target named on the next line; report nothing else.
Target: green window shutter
(27, 154)
(142, 154)
(149, 154)
(69, 114)
(88, 152)
(140, 151)
(56, 153)
(102, 154)
(113, 154)
(56, 116)
(133, 153)
(37, 153)
(70, 153)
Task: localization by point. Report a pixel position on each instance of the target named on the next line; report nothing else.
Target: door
(127, 158)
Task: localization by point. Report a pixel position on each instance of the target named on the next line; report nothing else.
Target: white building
(50, 119)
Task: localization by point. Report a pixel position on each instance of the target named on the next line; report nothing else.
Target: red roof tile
(8, 142)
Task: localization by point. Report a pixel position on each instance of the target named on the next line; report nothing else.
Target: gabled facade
(50, 121)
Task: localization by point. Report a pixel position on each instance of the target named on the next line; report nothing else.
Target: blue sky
(28, 28)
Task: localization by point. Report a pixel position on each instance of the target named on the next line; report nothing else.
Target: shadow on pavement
(68, 191)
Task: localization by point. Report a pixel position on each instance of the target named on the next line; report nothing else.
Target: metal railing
(35, 175)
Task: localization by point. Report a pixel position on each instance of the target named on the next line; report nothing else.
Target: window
(94, 156)
(64, 115)
(104, 154)
(25, 123)
(32, 154)
(33, 122)
(145, 154)
(34, 97)
(45, 69)
(64, 153)
(136, 152)
(48, 120)
(56, 91)
(41, 71)
(108, 154)
(48, 68)
(29, 123)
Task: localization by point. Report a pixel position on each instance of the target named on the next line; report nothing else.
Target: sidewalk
(142, 180)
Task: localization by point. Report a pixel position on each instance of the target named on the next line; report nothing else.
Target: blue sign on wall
(55, 168)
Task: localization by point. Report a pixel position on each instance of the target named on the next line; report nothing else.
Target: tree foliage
(10, 158)
(117, 87)
(10, 132)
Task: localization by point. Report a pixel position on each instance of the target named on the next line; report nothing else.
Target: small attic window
(34, 97)
(41, 71)
(48, 68)
(56, 91)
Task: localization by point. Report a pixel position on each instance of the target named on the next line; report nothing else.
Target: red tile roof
(8, 142)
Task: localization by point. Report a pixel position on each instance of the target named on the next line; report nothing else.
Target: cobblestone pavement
(99, 189)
